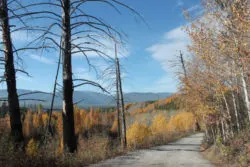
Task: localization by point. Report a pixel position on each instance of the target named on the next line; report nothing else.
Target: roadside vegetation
(215, 78)
(96, 132)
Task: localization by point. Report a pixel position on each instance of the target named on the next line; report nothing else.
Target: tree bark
(10, 74)
(49, 128)
(124, 135)
(244, 86)
(236, 112)
(223, 130)
(69, 138)
(117, 95)
(228, 121)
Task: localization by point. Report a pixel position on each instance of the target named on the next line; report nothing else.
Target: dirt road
(184, 152)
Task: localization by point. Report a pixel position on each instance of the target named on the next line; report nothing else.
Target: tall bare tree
(10, 73)
(117, 94)
(81, 33)
(120, 103)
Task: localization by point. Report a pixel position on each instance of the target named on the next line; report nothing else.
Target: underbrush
(96, 135)
(89, 151)
(235, 152)
(161, 130)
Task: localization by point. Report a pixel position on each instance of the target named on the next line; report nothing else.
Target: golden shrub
(32, 148)
(181, 122)
(59, 149)
(77, 121)
(59, 124)
(35, 120)
(137, 134)
(87, 122)
(159, 124)
(27, 124)
(114, 127)
(45, 118)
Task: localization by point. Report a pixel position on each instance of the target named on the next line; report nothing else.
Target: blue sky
(145, 61)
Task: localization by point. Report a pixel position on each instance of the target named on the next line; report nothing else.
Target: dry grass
(96, 138)
(89, 151)
(234, 153)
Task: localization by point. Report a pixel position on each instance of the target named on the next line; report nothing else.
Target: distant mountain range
(85, 98)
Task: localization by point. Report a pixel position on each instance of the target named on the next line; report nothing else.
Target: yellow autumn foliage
(114, 127)
(159, 124)
(44, 119)
(32, 148)
(35, 120)
(181, 122)
(137, 134)
(27, 124)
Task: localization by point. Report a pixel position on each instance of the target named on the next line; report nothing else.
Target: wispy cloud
(105, 46)
(82, 73)
(42, 59)
(23, 36)
(24, 78)
(193, 8)
(166, 83)
(165, 52)
(180, 3)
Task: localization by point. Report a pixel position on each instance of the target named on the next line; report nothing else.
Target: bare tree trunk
(206, 133)
(49, 128)
(244, 86)
(183, 65)
(214, 136)
(117, 95)
(10, 74)
(228, 124)
(182, 61)
(223, 130)
(69, 138)
(236, 112)
(197, 125)
(124, 135)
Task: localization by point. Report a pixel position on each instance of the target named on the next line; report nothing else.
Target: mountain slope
(85, 98)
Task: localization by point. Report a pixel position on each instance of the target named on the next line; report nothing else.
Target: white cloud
(82, 73)
(23, 36)
(176, 34)
(180, 3)
(193, 8)
(42, 59)
(165, 52)
(24, 78)
(107, 47)
(167, 83)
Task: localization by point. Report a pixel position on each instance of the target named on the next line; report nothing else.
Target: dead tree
(182, 61)
(68, 110)
(73, 23)
(124, 129)
(81, 33)
(49, 128)
(120, 101)
(17, 13)
(10, 74)
(117, 95)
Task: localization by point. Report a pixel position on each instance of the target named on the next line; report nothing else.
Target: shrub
(159, 124)
(32, 148)
(137, 135)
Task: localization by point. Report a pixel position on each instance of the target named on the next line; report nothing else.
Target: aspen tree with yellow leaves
(220, 63)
